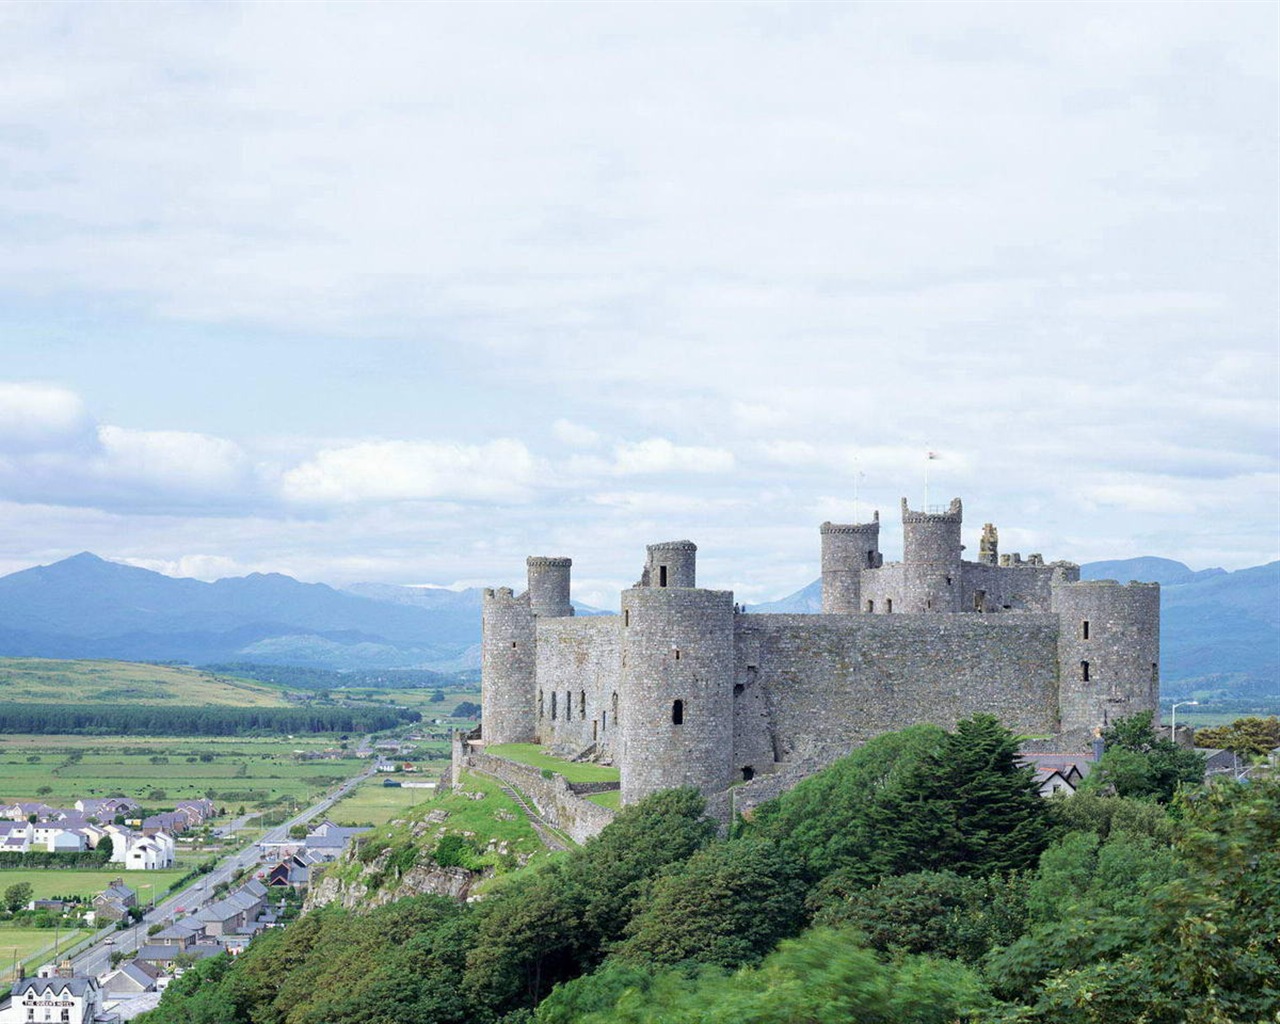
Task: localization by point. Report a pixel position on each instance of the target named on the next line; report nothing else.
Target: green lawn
(22, 943)
(50, 883)
(372, 803)
(612, 799)
(537, 757)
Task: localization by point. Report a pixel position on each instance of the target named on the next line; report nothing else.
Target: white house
(54, 999)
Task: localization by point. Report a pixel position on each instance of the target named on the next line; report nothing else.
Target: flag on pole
(932, 455)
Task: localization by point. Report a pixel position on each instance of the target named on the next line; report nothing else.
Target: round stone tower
(931, 559)
(549, 586)
(676, 712)
(847, 549)
(507, 679)
(1108, 652)
(672, 564)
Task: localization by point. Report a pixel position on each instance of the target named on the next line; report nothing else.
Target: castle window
(1084, 671)
(871, 559)
(616, 720)
(748, 773)
(677, 712)
(513, 645)
(582, 703)
(677, 652)
(594, 735)
(948, 581)
(871, 606)
(626, 616)
(604, 721)
(568, 705)
(979, 600)
(541, 703)
(1155, 672)
(888, 606)
(553, 705)
(662, 575)
(738, 689)
(1084, 630)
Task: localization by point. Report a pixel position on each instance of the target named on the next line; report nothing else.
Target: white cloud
(40, 417)
(659, 455)
(499, 471)
(170, 460)
(574, 434)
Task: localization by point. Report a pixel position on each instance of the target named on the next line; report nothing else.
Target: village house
(56, 997)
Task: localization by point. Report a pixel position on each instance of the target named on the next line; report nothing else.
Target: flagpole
(927, 456)
(856, 474)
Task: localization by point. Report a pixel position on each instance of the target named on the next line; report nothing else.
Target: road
(96, 959)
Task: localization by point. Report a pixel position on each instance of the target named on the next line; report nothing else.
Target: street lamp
(1173, 717)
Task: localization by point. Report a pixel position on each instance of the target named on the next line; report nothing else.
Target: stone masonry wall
(554, 799)
(579, 661)
(837, 681)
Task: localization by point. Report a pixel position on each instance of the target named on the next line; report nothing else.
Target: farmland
(257, 773)
(46, 681)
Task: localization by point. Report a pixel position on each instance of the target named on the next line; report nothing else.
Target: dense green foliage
(152, 720)
(1098, 909)
(1249, 737)
(1139, 763)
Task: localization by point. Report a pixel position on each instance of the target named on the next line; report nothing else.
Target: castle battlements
(678, 688)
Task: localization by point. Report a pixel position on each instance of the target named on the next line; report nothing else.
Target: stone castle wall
(553, 798)
(819, 680)
(579, 662)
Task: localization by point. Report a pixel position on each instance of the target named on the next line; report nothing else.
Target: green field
(257, 773)
(19, 944)
(55, 883)
(372, 803)
(40, 680)
(536, 756)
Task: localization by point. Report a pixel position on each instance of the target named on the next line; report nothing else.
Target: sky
(407, 292)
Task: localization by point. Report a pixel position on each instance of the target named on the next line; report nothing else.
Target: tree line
(920, 879)
(302, 678)
(154, 720)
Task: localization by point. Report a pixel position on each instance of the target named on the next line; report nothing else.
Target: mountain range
(1220, 630)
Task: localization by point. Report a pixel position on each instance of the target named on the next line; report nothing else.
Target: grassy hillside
(44, 681)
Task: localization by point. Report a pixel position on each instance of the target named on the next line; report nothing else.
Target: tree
(728, 906)
(934, 912)
(466, 709)
(18, 896)
(1250, 737)
(967, 806)
(437, 697)
(104, 849)
(1138, 763)
(829, 821)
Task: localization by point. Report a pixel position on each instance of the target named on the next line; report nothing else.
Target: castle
(682, 687)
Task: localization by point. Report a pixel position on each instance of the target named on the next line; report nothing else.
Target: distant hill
(43, 681)
(86, 607)
(1220, 631)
